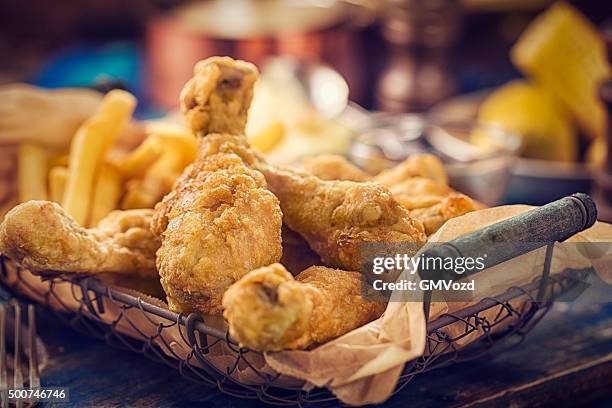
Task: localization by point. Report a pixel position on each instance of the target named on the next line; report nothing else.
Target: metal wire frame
(452, 337)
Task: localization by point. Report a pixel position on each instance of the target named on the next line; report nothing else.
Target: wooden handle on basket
(556, 221)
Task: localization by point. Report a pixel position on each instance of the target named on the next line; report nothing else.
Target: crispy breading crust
(220, 221)
(420, 165)
(431, 202)
(217, 98)
(419, 183)
(337, 217)
(333, 167)
(269, 310)
(41, 236)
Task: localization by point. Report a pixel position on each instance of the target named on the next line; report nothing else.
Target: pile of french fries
(94, 179)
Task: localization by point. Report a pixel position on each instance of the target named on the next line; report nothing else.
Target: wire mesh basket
(205, 353)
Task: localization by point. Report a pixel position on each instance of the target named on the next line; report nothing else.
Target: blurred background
(507, 92)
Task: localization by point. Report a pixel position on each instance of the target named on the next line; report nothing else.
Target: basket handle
(556, 221)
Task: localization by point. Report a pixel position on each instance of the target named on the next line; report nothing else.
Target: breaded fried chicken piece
(419, 192)
(334, 167)
(451, 206)
(220, 221)
(431, 202)
(269, 310)
(42, 237)
(420, 165)
(337, 217)
(419, 183)
(218, 96)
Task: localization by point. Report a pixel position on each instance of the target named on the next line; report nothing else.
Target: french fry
(157, 127)
(184, 145)
(156, 183)
(58, 176)
(139, 160)
(142, 194)
(32, 173)
(116, 110)
(107, 192)
(89, 147)
(162, 136)
(174, 136)
(86, 153)
(61, 160)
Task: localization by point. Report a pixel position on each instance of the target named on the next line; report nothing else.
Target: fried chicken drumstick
(269, 310)
(337, 217)
(41, 236)
(220, 221)
(336, 167)
(431, 202)
(333, 167)
(420, 165)
(419, 183)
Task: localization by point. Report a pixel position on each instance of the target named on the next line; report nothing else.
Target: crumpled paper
(364, 365)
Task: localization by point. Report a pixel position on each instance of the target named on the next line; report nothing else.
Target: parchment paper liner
(362, 366)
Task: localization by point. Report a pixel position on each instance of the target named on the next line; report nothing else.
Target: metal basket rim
(279, 394)
(195, 322)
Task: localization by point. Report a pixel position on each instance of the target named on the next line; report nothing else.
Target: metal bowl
(538, 181)
(531, 181)
(383, 140)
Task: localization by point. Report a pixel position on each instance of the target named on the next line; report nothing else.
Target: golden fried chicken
(451, 206)
(42, 237)
(337, 217)
(218, 97)
(336, 167)
(419, 183)
(333, 167)
(269, 310)
(419, 192)
(220, 221)
(420, 165)
(431, 202)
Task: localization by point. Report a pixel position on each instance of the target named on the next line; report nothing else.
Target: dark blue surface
(571, 336)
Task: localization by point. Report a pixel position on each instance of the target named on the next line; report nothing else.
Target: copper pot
(253, 30)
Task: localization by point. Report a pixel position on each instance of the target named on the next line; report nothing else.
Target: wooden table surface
(566, 359)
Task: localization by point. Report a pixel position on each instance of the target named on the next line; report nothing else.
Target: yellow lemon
(535, 116)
